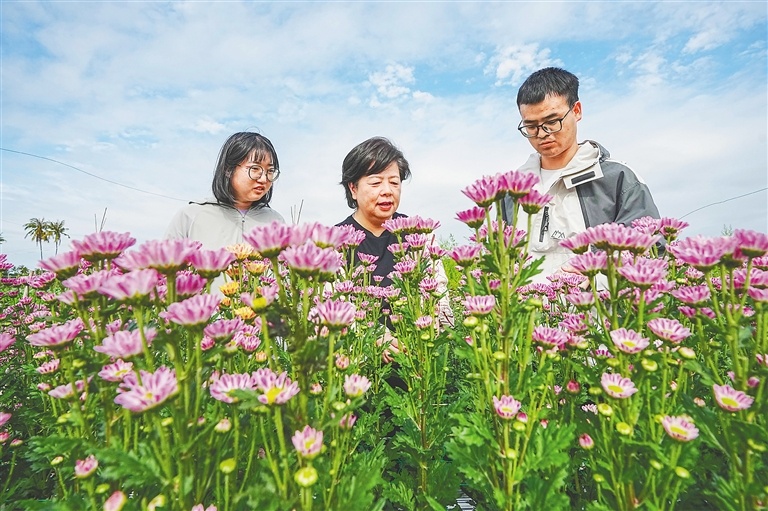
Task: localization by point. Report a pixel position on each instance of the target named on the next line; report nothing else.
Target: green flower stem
(138, 314)
(10, 473)
(329, 383)
(283, 450)
(164, 454)
(273, 464)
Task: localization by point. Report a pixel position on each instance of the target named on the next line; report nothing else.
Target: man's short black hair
(550, 81)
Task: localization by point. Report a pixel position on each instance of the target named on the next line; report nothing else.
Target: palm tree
(37, 229)
(56, 230)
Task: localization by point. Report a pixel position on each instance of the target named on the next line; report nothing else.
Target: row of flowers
(143, 379)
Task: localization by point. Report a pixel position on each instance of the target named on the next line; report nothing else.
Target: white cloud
(511, 64)
(208, 125)
(392, 83)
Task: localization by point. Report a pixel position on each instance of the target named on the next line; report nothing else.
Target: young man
(589, 188)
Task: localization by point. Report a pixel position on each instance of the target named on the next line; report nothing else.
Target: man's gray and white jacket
(592, 189)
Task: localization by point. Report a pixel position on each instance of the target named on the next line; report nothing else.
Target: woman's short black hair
(236, 149)
(369, 158)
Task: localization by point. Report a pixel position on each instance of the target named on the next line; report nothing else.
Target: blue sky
(144, 93)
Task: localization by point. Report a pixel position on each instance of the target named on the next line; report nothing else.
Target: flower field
(131, 380)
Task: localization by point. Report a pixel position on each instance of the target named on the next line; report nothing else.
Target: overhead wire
(91, 174)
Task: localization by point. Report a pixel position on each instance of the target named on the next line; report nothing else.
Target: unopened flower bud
(227, 466)
(223, 425)
(656, 464)
(682, 472)
(572, 387)
(605, 409)
(260, 357)
(649, 365)
(623, 428)
(305, 477)
(687, 353)
(586, 442)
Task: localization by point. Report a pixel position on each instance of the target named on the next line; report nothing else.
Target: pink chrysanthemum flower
(308, 442)
(615, 385)
(42, 280)
(751, 243)
(646, 224)
(269, 240)
(64, 265)
(578, 243)
(629, 341)
(4, 418)
(410, 225)
(416, 241)
(224, 329)
(49, 367)
(680, 428)
(154, 389)
(465, 255)
(309, 260)
(276, 389)
(193, 311)
(590, 264)
(6, 340)
(356, 385)
(131, 286)
(700, 252)
(644, 272)
(336, 314)
(506, 407)
(583, 299)
(730, 399)
(762, 359)
(210, 263)
(516, 183)
(86, 467)
(67, 391)
(473, 217)
(692, 295)
(366, 259)
(352, 237)
(670, 227)
(87, 285)
(405, 266)
(423, 322)
(550, 337)
(189, 284)
(618, 237)
(222, 387)
(533, 201)
(103, 245)
(126, 344)
(328, 237)
(117, 371)
(669, 329)
(168, 256)
(479, 305)
(758, 295)
(485, 191)
(57, 335)
(428, 285)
